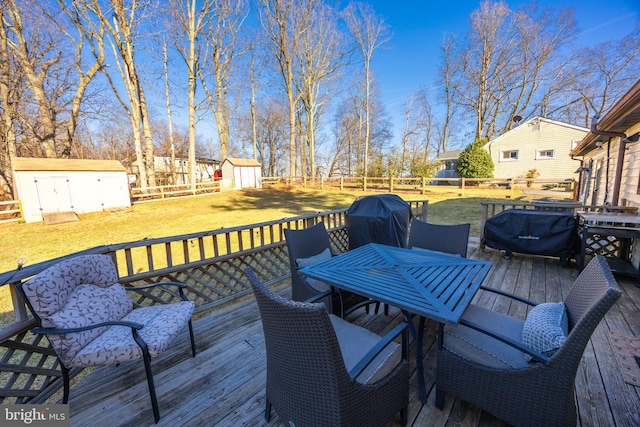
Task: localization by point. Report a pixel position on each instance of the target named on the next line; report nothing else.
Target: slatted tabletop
(431, 284)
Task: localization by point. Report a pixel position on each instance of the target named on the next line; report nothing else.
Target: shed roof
(450, 155)
(66, 165)
(242, 162)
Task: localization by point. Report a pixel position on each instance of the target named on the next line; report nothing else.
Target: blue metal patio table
(430, 284)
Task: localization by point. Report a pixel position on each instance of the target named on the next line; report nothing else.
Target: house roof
(450, 155)
(241, 162)
(66, 165)
(534, 120)
(623, 114)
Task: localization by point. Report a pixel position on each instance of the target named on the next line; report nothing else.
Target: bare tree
(370, 32)
(79, 38)
(191, 19)
(603, 73)
(219, 63)
(121, 23)
(322, 54)
(10, 79)
(167, 94)
(284, 23)
(417, 135)
(448, 80)
(36, 52)
(505, 59)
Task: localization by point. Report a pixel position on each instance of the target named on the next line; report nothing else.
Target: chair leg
(152, 387)
(404, 416)
(65, 383)
(267, 410)
(147, 367)
(439, 399)
(193, 342)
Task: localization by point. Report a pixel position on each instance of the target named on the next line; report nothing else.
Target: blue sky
(412, 57)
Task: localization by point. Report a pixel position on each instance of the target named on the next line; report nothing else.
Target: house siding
(528, 139)
(631, 172)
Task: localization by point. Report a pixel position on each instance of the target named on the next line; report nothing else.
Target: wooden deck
(224, 384)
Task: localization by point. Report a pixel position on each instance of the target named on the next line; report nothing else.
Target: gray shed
(58, 186)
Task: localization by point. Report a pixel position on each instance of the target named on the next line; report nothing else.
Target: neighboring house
(539, 143)
(447, 162)
(241, 173)
(610, 172)
(205, 169)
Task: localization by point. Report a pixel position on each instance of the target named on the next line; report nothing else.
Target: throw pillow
(545, 328)
(317, 285)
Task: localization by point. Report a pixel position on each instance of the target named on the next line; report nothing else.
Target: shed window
(544, 154)
(509, 155)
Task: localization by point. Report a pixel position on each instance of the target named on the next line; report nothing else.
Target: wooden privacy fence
(210, 263)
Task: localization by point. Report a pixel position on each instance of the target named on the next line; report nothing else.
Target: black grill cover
(532, 232)
(381, 219)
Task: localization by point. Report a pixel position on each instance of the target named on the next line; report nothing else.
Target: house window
(544, 154)
(509, 155)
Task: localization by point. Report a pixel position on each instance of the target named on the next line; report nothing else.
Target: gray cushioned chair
(482, 359)
(452, 239)
(325, 371)
(90, 320)
(311, 245)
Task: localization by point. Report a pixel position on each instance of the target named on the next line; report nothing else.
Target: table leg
(417, 339)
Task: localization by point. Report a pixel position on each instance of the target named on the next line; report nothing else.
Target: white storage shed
(50, 186)
(244, 173)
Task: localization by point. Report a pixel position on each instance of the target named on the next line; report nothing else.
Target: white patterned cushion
(161, 325)
(313, 260)
(48, 291)
(87, 305)
(545, 328)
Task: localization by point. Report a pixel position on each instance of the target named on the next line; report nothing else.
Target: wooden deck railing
(210, 263)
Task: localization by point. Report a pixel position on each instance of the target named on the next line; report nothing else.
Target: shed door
(54, 194)
(110, 191)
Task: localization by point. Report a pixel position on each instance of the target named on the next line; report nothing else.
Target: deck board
(224, 384)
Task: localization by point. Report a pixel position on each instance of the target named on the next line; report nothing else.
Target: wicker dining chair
(486, 360)
(452, 239)
(309, 246)
(325, 371)
(90, 320)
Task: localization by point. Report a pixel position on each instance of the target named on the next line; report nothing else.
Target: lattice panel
(220, 280)
(340, 239)
(607, 246)
(30, 371)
